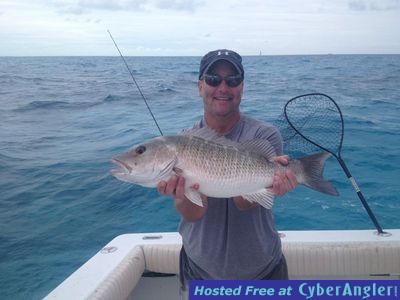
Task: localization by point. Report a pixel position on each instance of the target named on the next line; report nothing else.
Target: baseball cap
(222, 54)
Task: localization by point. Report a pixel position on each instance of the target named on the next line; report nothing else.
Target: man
(229, 238)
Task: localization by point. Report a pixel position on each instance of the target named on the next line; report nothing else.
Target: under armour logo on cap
(220, 53)
(224, 54)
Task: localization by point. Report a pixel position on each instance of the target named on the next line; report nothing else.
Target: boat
(144, 266)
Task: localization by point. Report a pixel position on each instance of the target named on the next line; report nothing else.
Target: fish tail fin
(312, 168)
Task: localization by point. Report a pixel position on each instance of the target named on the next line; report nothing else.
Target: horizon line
(244, 55)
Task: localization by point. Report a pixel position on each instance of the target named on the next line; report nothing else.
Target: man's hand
(175, 188)
(283, 181)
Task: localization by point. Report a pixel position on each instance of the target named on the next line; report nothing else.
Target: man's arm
(175, 188)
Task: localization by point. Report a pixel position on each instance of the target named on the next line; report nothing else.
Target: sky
(193, 27)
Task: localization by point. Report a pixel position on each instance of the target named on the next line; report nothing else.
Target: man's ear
(200, 85)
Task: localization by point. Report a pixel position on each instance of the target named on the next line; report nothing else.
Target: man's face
(222, 100)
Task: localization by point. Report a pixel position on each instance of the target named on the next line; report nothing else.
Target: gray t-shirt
(228, 243)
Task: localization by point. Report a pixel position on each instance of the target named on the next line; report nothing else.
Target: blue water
(62, 118)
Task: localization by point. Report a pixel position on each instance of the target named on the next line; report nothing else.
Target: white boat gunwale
(117, 268)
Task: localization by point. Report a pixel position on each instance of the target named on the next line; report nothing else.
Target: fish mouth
(122, 167)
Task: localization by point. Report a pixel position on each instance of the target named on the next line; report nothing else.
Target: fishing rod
(134, 81)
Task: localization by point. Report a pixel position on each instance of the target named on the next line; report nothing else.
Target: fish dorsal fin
(203, 132)
(209, 134)
(259, 146)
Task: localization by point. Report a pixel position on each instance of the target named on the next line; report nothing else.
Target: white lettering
(199, 290)
(305, 286)
(251, 290)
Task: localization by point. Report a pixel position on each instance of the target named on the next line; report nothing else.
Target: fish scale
(220, 162)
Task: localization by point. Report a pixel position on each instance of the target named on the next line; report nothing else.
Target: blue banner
(293, 289)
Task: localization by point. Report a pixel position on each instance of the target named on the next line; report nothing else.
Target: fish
(220, 167)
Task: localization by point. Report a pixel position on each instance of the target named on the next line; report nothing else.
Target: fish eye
(140, 149)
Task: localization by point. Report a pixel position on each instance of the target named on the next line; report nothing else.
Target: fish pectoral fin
(178, 171)
(167, 171)
(263, 197)
(194, 196)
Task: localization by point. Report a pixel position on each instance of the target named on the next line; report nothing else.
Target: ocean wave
(329, 68)
(191, 72)
(307, 78)
(167, 90)
(162, 88)
(53, 105)
(8, 161)
(18, 79)
(386, 103)
(45, 104)
(112, 98)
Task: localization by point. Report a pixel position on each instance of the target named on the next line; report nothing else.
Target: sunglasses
(215, 80)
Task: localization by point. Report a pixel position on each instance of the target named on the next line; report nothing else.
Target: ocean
(63, 118)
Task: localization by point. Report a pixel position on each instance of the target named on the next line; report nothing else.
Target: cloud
(171, 27)
(358, 5)
(374, 5)
(182, 5)
(86, 6)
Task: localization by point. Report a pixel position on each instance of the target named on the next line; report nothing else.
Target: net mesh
(317, 118)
